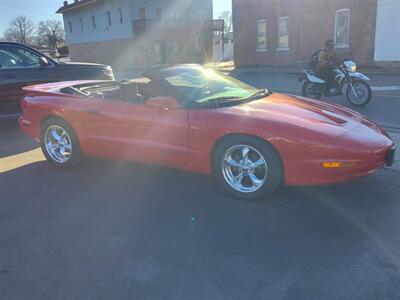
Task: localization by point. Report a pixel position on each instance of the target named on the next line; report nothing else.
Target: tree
(227, 17)
(50, 32)
(21, 30)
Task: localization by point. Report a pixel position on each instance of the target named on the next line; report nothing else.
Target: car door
(135, 131)
(19, 67)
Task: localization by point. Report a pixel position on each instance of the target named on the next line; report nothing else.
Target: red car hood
(298, 109)
(315, 115)
(295, 109)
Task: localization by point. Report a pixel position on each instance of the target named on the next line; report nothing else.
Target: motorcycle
(358, 91)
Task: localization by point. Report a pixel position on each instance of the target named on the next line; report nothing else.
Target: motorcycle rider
(325, 61)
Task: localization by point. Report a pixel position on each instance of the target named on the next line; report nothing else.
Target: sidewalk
(230, 67)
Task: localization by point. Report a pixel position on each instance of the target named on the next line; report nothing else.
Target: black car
(21, 65)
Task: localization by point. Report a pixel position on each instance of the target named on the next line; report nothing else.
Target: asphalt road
(114, 230)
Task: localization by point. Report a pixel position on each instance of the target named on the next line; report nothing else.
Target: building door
(387, 35)
(164, 52)
(157, 53)
(142, 13)
(158, 14)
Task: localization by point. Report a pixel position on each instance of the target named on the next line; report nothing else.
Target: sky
(38, 10)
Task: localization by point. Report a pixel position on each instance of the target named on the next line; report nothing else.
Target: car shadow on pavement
(139, 180)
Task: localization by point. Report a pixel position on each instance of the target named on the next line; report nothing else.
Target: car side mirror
(43, 61)
(164, 103)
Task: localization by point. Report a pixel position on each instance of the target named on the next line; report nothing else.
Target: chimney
(76, 1)
(65, 3)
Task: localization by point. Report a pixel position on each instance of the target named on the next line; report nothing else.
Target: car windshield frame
(199, 87)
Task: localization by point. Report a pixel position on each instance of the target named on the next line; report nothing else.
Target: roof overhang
(74, 5)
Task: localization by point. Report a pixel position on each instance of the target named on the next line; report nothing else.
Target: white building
(387, 35)
(139, 32)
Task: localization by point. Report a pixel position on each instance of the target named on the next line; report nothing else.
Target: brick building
(287, 32)
(139, 33)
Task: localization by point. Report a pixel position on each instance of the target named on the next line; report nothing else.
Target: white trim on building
(342, 37)
(283, 34)
(262, 35)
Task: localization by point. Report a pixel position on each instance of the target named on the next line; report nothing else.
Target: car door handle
(92, 111)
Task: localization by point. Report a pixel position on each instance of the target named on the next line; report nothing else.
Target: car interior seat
(130, 92)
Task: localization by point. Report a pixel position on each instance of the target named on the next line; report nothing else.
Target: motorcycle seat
(312, 72)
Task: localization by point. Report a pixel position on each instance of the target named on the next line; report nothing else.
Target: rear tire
(306, 91)
(248, 176)
(60, 144)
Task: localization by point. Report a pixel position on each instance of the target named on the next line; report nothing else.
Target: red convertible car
(193, 118)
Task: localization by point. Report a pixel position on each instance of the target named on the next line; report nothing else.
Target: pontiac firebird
(196, 119)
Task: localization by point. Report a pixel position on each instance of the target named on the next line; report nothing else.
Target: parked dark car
(21, 65)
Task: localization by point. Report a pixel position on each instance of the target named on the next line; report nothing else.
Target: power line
(22, 8)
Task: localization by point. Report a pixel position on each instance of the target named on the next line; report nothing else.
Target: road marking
(285, 90)
(386, 88)
(387, 96)
(16, 161)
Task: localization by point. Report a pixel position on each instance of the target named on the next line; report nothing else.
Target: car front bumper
(312, 171)
(389, 160)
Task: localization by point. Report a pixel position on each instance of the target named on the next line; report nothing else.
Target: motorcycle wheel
(311, 90)
(362, 96)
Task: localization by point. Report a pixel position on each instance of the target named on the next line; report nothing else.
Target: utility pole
(55, 45)
(219, 26)
(223, 43)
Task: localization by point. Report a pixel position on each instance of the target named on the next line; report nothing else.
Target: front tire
(247, 167)
(60, 144)
(364, 93)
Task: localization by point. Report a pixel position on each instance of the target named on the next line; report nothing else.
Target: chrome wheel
(58, 143)
(358, 94)
(244, 168)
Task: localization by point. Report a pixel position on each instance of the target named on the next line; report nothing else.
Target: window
(283, 33)
(93, 22)
(70, 26)
(108, 15)
(174, 14)
(16, 57)
(342, 27)
(261, 35)
(158, 14)
(142, 13)
(120, 15)
(81, 23)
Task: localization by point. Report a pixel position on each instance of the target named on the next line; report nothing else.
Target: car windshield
(202, 85)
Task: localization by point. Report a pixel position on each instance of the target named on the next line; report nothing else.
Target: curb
(299, 71)
(375, 71)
